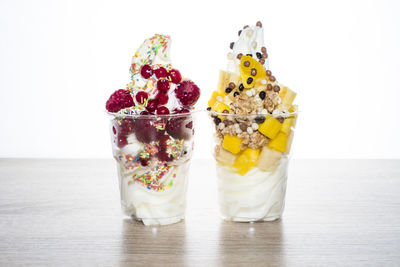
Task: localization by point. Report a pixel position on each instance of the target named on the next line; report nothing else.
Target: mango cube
(287, 126)
(232, 143)
(246, 160)
(270, 127)
(213, 98)
(287, 96)
(220, 107)
(225, 157)
(269, 159)
(279, 143)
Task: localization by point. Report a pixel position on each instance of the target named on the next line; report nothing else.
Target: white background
(60, 61)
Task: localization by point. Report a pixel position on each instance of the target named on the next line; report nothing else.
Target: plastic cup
(252, 164)
(153, 154)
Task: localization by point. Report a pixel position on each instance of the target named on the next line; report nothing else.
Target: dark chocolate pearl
(268, 72)
(246, 26)
(262, 95)
(208, 108)
(217, 120)
(280, 119)
(231, 45)
(228, 90)
(235, 94)
(232, 85)
(260, 119)
(253, 72)
(225, 111)
(269, 87)
(239, 32)
(263, 50)
(241, 87)
(246, 63)
(277, 88)
(259, 55)
(239, 56)
(259, 24)
(250, 55)
(262, 61)
(272, 78)
(249, 80)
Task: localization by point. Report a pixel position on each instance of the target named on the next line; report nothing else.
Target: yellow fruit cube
(220, 107)
(287, 126)
(232, 143)
(250, 71)
(279, 143)
(213, 98)
(246, 160)
(224, 157)
(287, 96)
(270, 127)
(269, 159)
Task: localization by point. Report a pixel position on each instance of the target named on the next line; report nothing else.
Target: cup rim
(153, 116)
(285, 115)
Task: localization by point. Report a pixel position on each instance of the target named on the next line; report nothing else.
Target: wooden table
(67, 212)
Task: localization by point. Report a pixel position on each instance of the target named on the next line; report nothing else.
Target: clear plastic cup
(153, 154)
(252, 157)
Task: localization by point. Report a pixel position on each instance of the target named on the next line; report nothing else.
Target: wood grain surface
(67, 213)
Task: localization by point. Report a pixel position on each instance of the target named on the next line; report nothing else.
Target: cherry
(141, 97)
(152, 105)
(162, 99)
(175, 76)
(162, 111)
(182, 110)
(146, 132)
(146, 71)
(163, 86)
(161, 72)
(121, 141)
(187, 92)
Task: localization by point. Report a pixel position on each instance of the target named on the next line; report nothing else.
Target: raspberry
(182, 110)
(162, 111)
(126, 127)
(146, 71)
(144, 162)
(162, 99)
(141, 97)
(162, 143)
(161, 72)
(163, 86)
(152, 105)
(187, 92)
(164, 156)
(146, 132)
(175, 76)
(118, 100)
(180, 127)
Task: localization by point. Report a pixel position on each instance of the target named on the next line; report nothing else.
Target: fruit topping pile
(253, 114)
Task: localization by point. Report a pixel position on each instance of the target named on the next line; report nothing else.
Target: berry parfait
(152, 129)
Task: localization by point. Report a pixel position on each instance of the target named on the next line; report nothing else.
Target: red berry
(163, 86)
(162, 143)
(121, 141)
(175, 76)
(162, 110)
(187, 92)
(146, 71)
(126, 127)
(118, 100)
(162, 99)
(146, 132)
(152, 105)
(178, 127)
(164, 156)
(182, 110)
(141, 97)
(161, 72)
(144, 162)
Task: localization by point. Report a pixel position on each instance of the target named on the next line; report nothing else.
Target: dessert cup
(252, 169)
(153, 154)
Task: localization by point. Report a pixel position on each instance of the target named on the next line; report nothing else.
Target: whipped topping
(257, 195)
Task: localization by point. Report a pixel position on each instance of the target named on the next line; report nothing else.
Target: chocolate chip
(268, 72)
(208, 108)
(239, 56)
(217, 121)
(243, 126)
(259, 56)
(262, 61)
(260, 119)
(241, 87)
(280, 119)
(262, 95)
(232, 85)
(246, 63)
(253, 72)
(276, 88)
(228, 90)
(250, 55)
(269, 87)
(235, 94)
(259, 24)
(231, 45)
(272, 78)
(239, 32)
(263, 50)
(249, 80)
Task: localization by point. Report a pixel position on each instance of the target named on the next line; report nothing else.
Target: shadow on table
(251, 243)
(152, 244)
